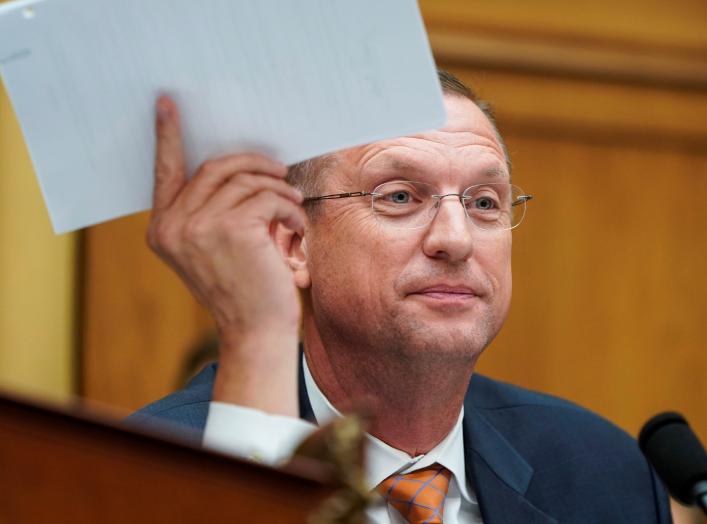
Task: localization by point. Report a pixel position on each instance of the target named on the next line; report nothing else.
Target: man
(401, 253)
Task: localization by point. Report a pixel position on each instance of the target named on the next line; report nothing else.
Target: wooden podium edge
(28, 427)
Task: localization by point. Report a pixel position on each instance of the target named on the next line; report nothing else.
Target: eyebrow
(391, 164)
(496, 172)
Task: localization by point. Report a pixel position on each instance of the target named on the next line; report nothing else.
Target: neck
(413, 404)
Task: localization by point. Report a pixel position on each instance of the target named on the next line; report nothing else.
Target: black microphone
(678, 456)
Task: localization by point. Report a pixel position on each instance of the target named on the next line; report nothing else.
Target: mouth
(446, 293)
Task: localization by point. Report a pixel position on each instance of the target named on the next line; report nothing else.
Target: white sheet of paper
(290, 78)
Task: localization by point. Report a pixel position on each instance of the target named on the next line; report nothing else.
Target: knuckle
(237, 178)
(264, 197)
(163, 135)
(161, 236)
(240, 179)
(162, 168)
(209, 167)
(257, 205)
(195, 231)
(251, 158)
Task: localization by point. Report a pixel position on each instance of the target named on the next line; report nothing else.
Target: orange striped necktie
(419, 496)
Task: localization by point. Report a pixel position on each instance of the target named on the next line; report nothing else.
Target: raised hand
(216, 230)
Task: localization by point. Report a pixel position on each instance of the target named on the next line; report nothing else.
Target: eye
(400, 197)
(484, 203)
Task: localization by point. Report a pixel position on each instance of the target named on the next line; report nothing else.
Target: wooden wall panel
(649, 24)
(637, 113)
(139, 321)
(609, 297)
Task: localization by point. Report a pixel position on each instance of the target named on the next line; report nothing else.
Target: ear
(293, 248)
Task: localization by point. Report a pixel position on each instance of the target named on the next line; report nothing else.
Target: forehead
(467, 146)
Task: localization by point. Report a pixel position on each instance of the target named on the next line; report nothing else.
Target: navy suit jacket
(531, 458)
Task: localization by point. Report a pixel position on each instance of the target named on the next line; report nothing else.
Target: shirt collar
(383, 460)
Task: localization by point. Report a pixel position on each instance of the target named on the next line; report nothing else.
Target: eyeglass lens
(409, 205)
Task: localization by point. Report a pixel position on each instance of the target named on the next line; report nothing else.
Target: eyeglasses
(405, 204)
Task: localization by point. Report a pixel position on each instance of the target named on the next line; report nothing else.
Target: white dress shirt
(271, 439)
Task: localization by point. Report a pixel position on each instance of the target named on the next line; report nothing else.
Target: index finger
(170, 170)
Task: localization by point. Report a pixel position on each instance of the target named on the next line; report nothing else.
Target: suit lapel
(499, 474)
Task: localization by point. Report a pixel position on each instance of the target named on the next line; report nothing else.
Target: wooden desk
(62, 467)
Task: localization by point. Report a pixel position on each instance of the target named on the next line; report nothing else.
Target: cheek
(498, 267)
(359, 258)
(339, 264)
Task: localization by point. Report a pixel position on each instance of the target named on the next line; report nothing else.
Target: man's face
(443, 289)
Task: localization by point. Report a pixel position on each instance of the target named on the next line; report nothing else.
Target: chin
(455, 340)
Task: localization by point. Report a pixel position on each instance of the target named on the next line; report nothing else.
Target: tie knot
(419, 496)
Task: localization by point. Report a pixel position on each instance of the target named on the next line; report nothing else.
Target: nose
(449, 236)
